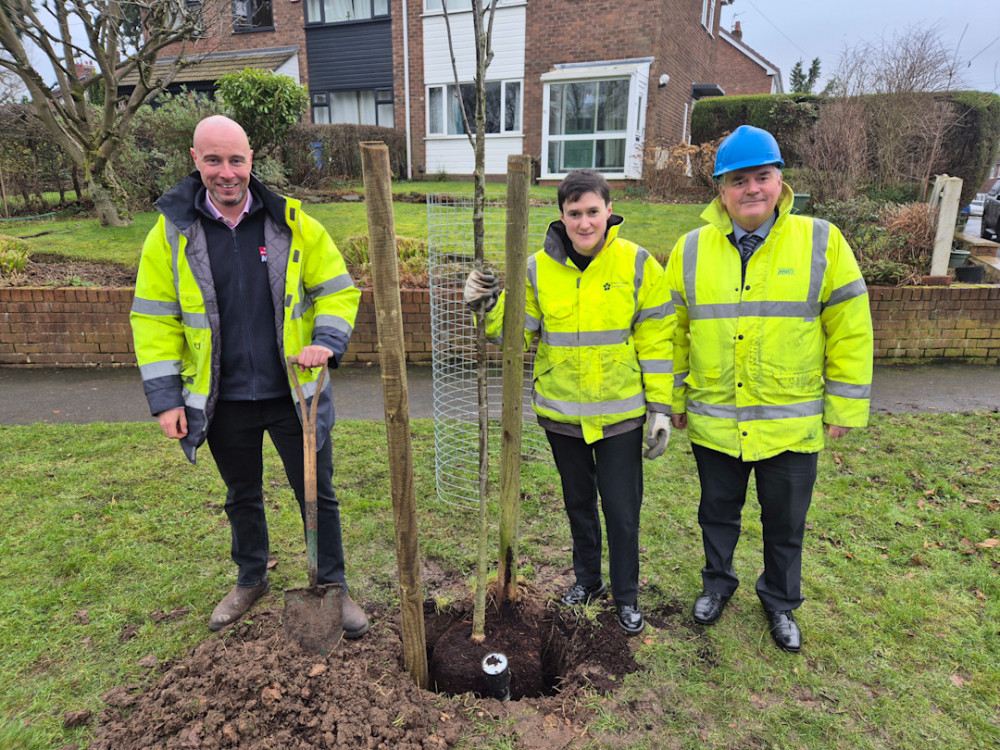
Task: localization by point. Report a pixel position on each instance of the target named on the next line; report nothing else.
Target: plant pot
(969, 274)
(958, 258)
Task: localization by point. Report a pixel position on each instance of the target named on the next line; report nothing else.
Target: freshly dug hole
(546, 647)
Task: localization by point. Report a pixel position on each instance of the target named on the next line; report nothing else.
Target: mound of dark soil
(250, 688)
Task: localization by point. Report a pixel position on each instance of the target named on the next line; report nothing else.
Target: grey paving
(115, 395)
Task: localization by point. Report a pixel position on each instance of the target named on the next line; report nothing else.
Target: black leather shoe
(578, 594)
(630, 619)
(708, 607)
(784, 630)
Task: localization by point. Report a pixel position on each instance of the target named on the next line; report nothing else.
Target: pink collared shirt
(210, 207)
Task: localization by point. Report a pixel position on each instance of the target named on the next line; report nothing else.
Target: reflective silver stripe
(304, 304)
(574, 409)
(333, 321)
(767, 309)
(677, 298)
(753, 413)
(194, 400)
(760, 309)
(655, 313)
(641, 255)
(586, 338)
(848, 291)
(817, 270)
(691, 265)
(162, 369)
(330, 286)
(782, 411)
(532, 323)
(195, 320)
(658, 407)
(679, 378)
(657, 366)
(714, 312)
(144, 306)
(721, 411)
(848, 390)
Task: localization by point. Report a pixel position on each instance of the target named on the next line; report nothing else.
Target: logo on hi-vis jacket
(786, 272)
(609, 285)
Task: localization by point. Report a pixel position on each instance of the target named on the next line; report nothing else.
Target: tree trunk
(102, 193)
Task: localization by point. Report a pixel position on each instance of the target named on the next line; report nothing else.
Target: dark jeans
(784, 491)
(611, 467)
(236, 439)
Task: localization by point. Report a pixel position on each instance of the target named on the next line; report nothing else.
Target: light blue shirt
(762, 231)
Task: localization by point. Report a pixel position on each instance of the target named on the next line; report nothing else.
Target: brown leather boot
(355, 620)
(235, 604)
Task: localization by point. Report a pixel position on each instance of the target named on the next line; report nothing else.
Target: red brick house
(573, 84)
(741, 70)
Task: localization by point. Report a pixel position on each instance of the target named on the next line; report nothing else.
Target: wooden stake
(389, 320)
(518, 177)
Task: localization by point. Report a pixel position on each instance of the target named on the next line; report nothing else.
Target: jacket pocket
(784, 386)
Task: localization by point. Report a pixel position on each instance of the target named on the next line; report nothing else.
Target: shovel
(313, 615)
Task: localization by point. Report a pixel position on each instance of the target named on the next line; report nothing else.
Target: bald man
(232, 279)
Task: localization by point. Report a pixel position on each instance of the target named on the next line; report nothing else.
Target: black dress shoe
(708, 607)
(784, 630)
(578, 594)
(630, 619)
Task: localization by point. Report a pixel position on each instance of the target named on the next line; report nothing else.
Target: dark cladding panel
(350, 56)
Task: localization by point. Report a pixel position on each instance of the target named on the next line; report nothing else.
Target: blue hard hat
(746, 146)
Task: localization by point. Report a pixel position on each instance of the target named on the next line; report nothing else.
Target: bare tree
(10, 84)
(906, 124)
(92, 45)
(835, 150)
(482, 26)
(912, 60)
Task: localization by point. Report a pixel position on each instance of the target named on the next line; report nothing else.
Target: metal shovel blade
(314, 617)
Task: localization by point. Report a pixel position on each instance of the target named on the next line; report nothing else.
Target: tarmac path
(83, 395)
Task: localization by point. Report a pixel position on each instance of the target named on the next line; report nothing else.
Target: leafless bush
(915, 225)
(679, 170)
(835, 150)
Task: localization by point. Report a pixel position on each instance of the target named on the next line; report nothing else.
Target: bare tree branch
(92, 45)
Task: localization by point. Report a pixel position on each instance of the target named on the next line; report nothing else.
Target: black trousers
(236, 439)
(784, 491)
(612, 468)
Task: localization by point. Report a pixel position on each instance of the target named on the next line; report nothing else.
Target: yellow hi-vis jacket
(175, 315)
(761, 363)
(604, 334)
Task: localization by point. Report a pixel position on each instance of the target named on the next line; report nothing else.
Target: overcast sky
(785, 31)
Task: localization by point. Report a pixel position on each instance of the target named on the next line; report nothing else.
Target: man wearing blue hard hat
(773, 347)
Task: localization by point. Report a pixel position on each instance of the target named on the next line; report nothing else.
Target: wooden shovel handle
(309, 463)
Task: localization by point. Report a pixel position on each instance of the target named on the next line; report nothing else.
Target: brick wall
(927, 323)
(80, 327)
(573, 31)
(288, 31)
(738, 74)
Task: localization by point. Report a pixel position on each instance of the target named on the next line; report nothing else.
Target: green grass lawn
(654, 226)
(105, 525)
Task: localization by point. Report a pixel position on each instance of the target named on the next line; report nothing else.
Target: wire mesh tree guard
(453, 342)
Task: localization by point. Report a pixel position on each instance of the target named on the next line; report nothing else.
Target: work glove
(481, 286)
(657, 434)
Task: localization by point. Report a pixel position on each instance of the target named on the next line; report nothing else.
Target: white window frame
(459, 6)
(447, 93)
(708, 10)
(637, 73)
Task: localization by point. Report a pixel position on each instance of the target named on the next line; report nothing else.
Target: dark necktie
(748, 243)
